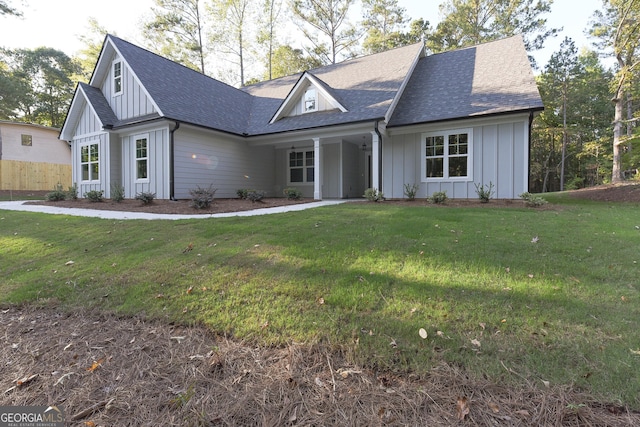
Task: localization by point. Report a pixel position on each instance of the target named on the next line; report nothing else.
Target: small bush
(117, 193)
(292, 193)
(485, 193)
(201, 198)
(438, 197)
(410, 190)
(532, 200)
(57, 194)
(255, 195)
(146, 197)
(373, 195)
(94, 195)
(72, 193)
(242, 193)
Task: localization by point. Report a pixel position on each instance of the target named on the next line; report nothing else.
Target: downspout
(379, 157)
(529, 152)
(172, 190)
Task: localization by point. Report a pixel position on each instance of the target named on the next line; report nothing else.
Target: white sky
(58, 23)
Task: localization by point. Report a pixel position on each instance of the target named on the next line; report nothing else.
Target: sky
(59, 23)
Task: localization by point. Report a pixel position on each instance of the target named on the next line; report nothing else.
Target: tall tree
(92, 40)
(336, 37)
(176, 31)
(383, 22)
(6, 9)
(288, 61)
(469, 22)
(618, 28)
(271, 11)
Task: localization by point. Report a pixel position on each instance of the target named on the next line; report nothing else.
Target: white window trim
(303, 150)
(136, 138)
(85, 144)
(445, 134)
(304, 100)
(113, 77)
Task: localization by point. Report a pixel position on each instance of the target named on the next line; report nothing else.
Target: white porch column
(375, 162)
(317, 169)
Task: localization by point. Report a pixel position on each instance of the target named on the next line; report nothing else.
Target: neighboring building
(444, 122)
(32, 157)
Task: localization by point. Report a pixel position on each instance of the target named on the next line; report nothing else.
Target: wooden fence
(17, 176)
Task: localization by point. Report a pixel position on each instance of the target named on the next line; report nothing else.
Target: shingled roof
(487, 79)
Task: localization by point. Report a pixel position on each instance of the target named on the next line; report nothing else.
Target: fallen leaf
(159, 296)
(69, 263)
(90, 424)
(530, 276)
(483, 325)
(636, 352)
(264, 326)
(319, 382)
(178, 338)
(523, 412)
(23, 381)
(462, 408)
(188, 248)
(190, 290)
(494, 408)
(476, 342)
(423, 333)
(546, 383)
(321, 301)
(95, 365)
(440, 333)
(535, 240)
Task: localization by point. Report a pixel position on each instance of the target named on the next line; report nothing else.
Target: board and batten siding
(104, 172)
(227, 164)
(500, 155)
(133, 101)
(157, 163)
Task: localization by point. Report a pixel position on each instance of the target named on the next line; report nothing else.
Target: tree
(271, 11)
(327, 17)
(176, 32)
(92, 39)
(470, 22)
(618, 28)
(288, 61)
(383, 22)
(6, 9)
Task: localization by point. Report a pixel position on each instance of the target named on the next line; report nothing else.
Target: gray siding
(103, 165)
(499, 156)
(88, 122)
(133, 101)
(203, 159)
(157, 162)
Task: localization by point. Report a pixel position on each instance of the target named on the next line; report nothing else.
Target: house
(32, 157)
(443, 122)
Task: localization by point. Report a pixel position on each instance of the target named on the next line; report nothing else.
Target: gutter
(379, 157)
(172, 190)
(529, 148)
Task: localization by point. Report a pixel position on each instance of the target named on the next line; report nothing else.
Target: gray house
(443, 122)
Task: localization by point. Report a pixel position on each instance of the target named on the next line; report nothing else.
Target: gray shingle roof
(100, 105)
(487, 79)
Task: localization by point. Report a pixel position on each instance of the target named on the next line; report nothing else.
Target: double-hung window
(310, 100)
(117, 77)
(142, 157)
(90, 162)
(447, 155)
(301, 168)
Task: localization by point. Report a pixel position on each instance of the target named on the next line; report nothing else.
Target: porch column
(376, 181)
(317, 169)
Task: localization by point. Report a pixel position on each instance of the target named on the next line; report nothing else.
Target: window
(142, 158)
(301, 166)
(89, 162)
(310, 100)
(447, 155)
(117, 77)
(27, 140)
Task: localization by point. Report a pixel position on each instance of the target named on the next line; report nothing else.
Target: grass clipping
(104, 370)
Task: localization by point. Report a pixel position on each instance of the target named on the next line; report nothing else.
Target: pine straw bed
(108, 371)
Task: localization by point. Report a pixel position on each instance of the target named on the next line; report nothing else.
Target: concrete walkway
(20, 206)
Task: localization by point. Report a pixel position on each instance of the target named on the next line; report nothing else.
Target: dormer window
(117, 77)
(310, 100)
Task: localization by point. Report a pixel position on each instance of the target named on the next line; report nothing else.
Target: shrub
(485, 193)
(146, 197)
(57, 194)
(373, 195)
(72, 194)
(410, 191)
(117, 192)
(438, 197)
(94, 195)
(242, 193)
(201, 198)
(255, 195)
(532, 200)
(292, 193)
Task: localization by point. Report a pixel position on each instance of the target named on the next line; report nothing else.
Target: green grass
(550, 295)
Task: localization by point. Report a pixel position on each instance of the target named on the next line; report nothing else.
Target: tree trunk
(616, 173)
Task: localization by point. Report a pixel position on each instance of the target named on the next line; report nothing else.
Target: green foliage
(146, 197)
(373, 195)
(94, 195)
(242, 193)
(383, 22)
(292, 193)
(287, 60)
(117, 192)
(438, 197)
(201, 198)
(72, 193)
(485, 193)
(255, 195)
(410, 190)
(57, 194)
(532, 200)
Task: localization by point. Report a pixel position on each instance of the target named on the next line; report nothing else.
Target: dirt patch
(114, 371)
(610, 193)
